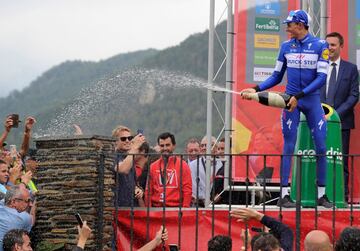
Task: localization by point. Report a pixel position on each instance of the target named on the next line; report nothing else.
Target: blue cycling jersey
(306, 62)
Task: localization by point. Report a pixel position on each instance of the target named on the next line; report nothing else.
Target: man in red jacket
(169, 178)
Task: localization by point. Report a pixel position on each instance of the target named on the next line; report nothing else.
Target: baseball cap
(298, 16)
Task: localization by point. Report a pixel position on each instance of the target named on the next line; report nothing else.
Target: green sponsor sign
(267, 24)
(265, 57)
(358, 34)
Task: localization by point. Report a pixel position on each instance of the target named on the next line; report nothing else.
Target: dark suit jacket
(281, 231)
(347, 93)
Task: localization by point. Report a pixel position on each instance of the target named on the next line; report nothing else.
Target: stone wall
(74, 175)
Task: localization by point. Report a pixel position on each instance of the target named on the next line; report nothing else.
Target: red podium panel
(221, 219)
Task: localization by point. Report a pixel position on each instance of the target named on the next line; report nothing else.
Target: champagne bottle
(274, 99)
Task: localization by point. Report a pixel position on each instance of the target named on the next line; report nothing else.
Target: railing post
(298, 202)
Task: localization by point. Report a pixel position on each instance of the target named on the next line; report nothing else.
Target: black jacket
(281, 231)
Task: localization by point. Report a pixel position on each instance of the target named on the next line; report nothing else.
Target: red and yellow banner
(257, 128)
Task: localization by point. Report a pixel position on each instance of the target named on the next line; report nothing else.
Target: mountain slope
(97, 96)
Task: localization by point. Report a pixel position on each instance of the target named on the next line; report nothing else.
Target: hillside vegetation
(98, 97)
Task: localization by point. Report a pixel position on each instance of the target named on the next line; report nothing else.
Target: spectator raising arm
(29, 123)
(125, 165)
(84, 234)
(78, 130)
(278, 229)
(8, 125)
(33, 211)
(160, 237)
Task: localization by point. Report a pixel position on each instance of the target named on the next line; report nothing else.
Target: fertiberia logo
(267, 24)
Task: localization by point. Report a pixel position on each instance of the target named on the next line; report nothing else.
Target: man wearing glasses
(14, 215)
(126, 146)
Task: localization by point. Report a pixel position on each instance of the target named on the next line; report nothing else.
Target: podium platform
(305, 151)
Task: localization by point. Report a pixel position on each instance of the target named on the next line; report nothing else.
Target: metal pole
(229, 82)
(100, 222)
(305, 5)
(323, 18)
(209, 99)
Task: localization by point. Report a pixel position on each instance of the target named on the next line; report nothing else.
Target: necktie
(332, 83)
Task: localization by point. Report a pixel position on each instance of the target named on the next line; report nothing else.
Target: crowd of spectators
(161, 177)
(146, 176)
(17, 192)
(158, 177)
(143, 176)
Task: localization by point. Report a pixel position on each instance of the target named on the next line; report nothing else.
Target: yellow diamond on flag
(240, 137)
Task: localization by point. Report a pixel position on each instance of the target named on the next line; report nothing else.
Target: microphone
(274, 99)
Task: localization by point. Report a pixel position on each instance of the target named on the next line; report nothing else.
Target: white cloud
(37, 34)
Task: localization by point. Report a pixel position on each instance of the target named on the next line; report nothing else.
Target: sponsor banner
(265, 57)
(357, 34)
(266, 41)
(254, 134)
(261, 74)
(268, 7)
(267, 24)
(310, 154)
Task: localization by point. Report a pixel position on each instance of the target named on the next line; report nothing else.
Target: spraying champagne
(275, 99)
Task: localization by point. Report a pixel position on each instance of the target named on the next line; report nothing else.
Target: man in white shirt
(198, 172)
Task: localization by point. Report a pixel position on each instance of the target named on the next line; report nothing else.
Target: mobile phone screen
(79, 220)
(15, 119)
(173, 247)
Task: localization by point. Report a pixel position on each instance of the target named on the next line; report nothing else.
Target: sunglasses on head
(129, 138)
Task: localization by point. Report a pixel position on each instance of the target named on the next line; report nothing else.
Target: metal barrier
(246, 188)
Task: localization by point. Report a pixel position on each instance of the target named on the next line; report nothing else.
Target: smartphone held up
(79, 220)
(15, 119)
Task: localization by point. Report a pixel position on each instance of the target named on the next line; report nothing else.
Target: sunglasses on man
(129, 138)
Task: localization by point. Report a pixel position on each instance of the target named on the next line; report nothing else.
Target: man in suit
(342, 93)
